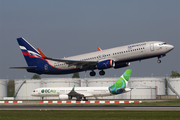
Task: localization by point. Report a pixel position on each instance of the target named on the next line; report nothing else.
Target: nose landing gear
(159, 61)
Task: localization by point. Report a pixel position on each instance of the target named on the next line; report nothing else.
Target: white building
(3, 88)
(143, 88)
(174, 88)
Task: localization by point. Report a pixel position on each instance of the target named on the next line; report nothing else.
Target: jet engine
(105, 64)
(120, 65)
(64, 97)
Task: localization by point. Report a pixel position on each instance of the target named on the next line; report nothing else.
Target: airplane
(117, 57)
(65, 93)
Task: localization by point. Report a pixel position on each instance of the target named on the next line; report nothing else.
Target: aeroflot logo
(137, 45)
(48, 91)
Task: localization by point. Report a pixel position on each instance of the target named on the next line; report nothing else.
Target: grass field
(89, 115)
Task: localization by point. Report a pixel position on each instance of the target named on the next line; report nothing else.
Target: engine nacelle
(120, 65)
(64, 97)
(105, 64)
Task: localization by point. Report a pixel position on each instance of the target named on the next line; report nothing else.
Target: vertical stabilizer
(30, 53)
(120, 85)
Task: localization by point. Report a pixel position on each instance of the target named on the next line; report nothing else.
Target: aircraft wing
(70, 62)
(75, 62)
(74, 93)
(99, 49)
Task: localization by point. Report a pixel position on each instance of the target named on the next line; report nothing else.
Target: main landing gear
(101, 72)
(92, 73)
(85, 99)
(79, 98)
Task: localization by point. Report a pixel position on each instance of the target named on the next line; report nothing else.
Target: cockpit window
(162, 43)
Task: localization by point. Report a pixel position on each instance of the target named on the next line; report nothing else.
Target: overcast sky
(71, 27)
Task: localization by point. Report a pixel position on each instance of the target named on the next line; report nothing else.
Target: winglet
(99, 49)
(41, 53)
(73, 88)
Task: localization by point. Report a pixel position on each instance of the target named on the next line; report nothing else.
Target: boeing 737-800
(64, 93)
(117, 57)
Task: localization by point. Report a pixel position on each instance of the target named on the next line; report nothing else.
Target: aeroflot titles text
(137, 45)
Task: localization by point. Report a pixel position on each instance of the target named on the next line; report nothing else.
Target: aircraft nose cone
(171, 47)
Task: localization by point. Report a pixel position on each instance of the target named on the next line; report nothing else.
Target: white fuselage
(86, 91)
(128, 53)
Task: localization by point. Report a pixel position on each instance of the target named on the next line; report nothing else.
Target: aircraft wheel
(85, 99)
(78, 98)
(101, 72)
(159, 61)
(92, 73)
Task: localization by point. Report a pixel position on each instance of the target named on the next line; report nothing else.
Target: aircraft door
(152, 46)
(39, 91)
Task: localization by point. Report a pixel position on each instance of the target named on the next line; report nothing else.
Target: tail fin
(30, 53)
(121, 83)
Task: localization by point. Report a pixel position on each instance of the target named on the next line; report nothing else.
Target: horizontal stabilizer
(127, 89)
(31, 67)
